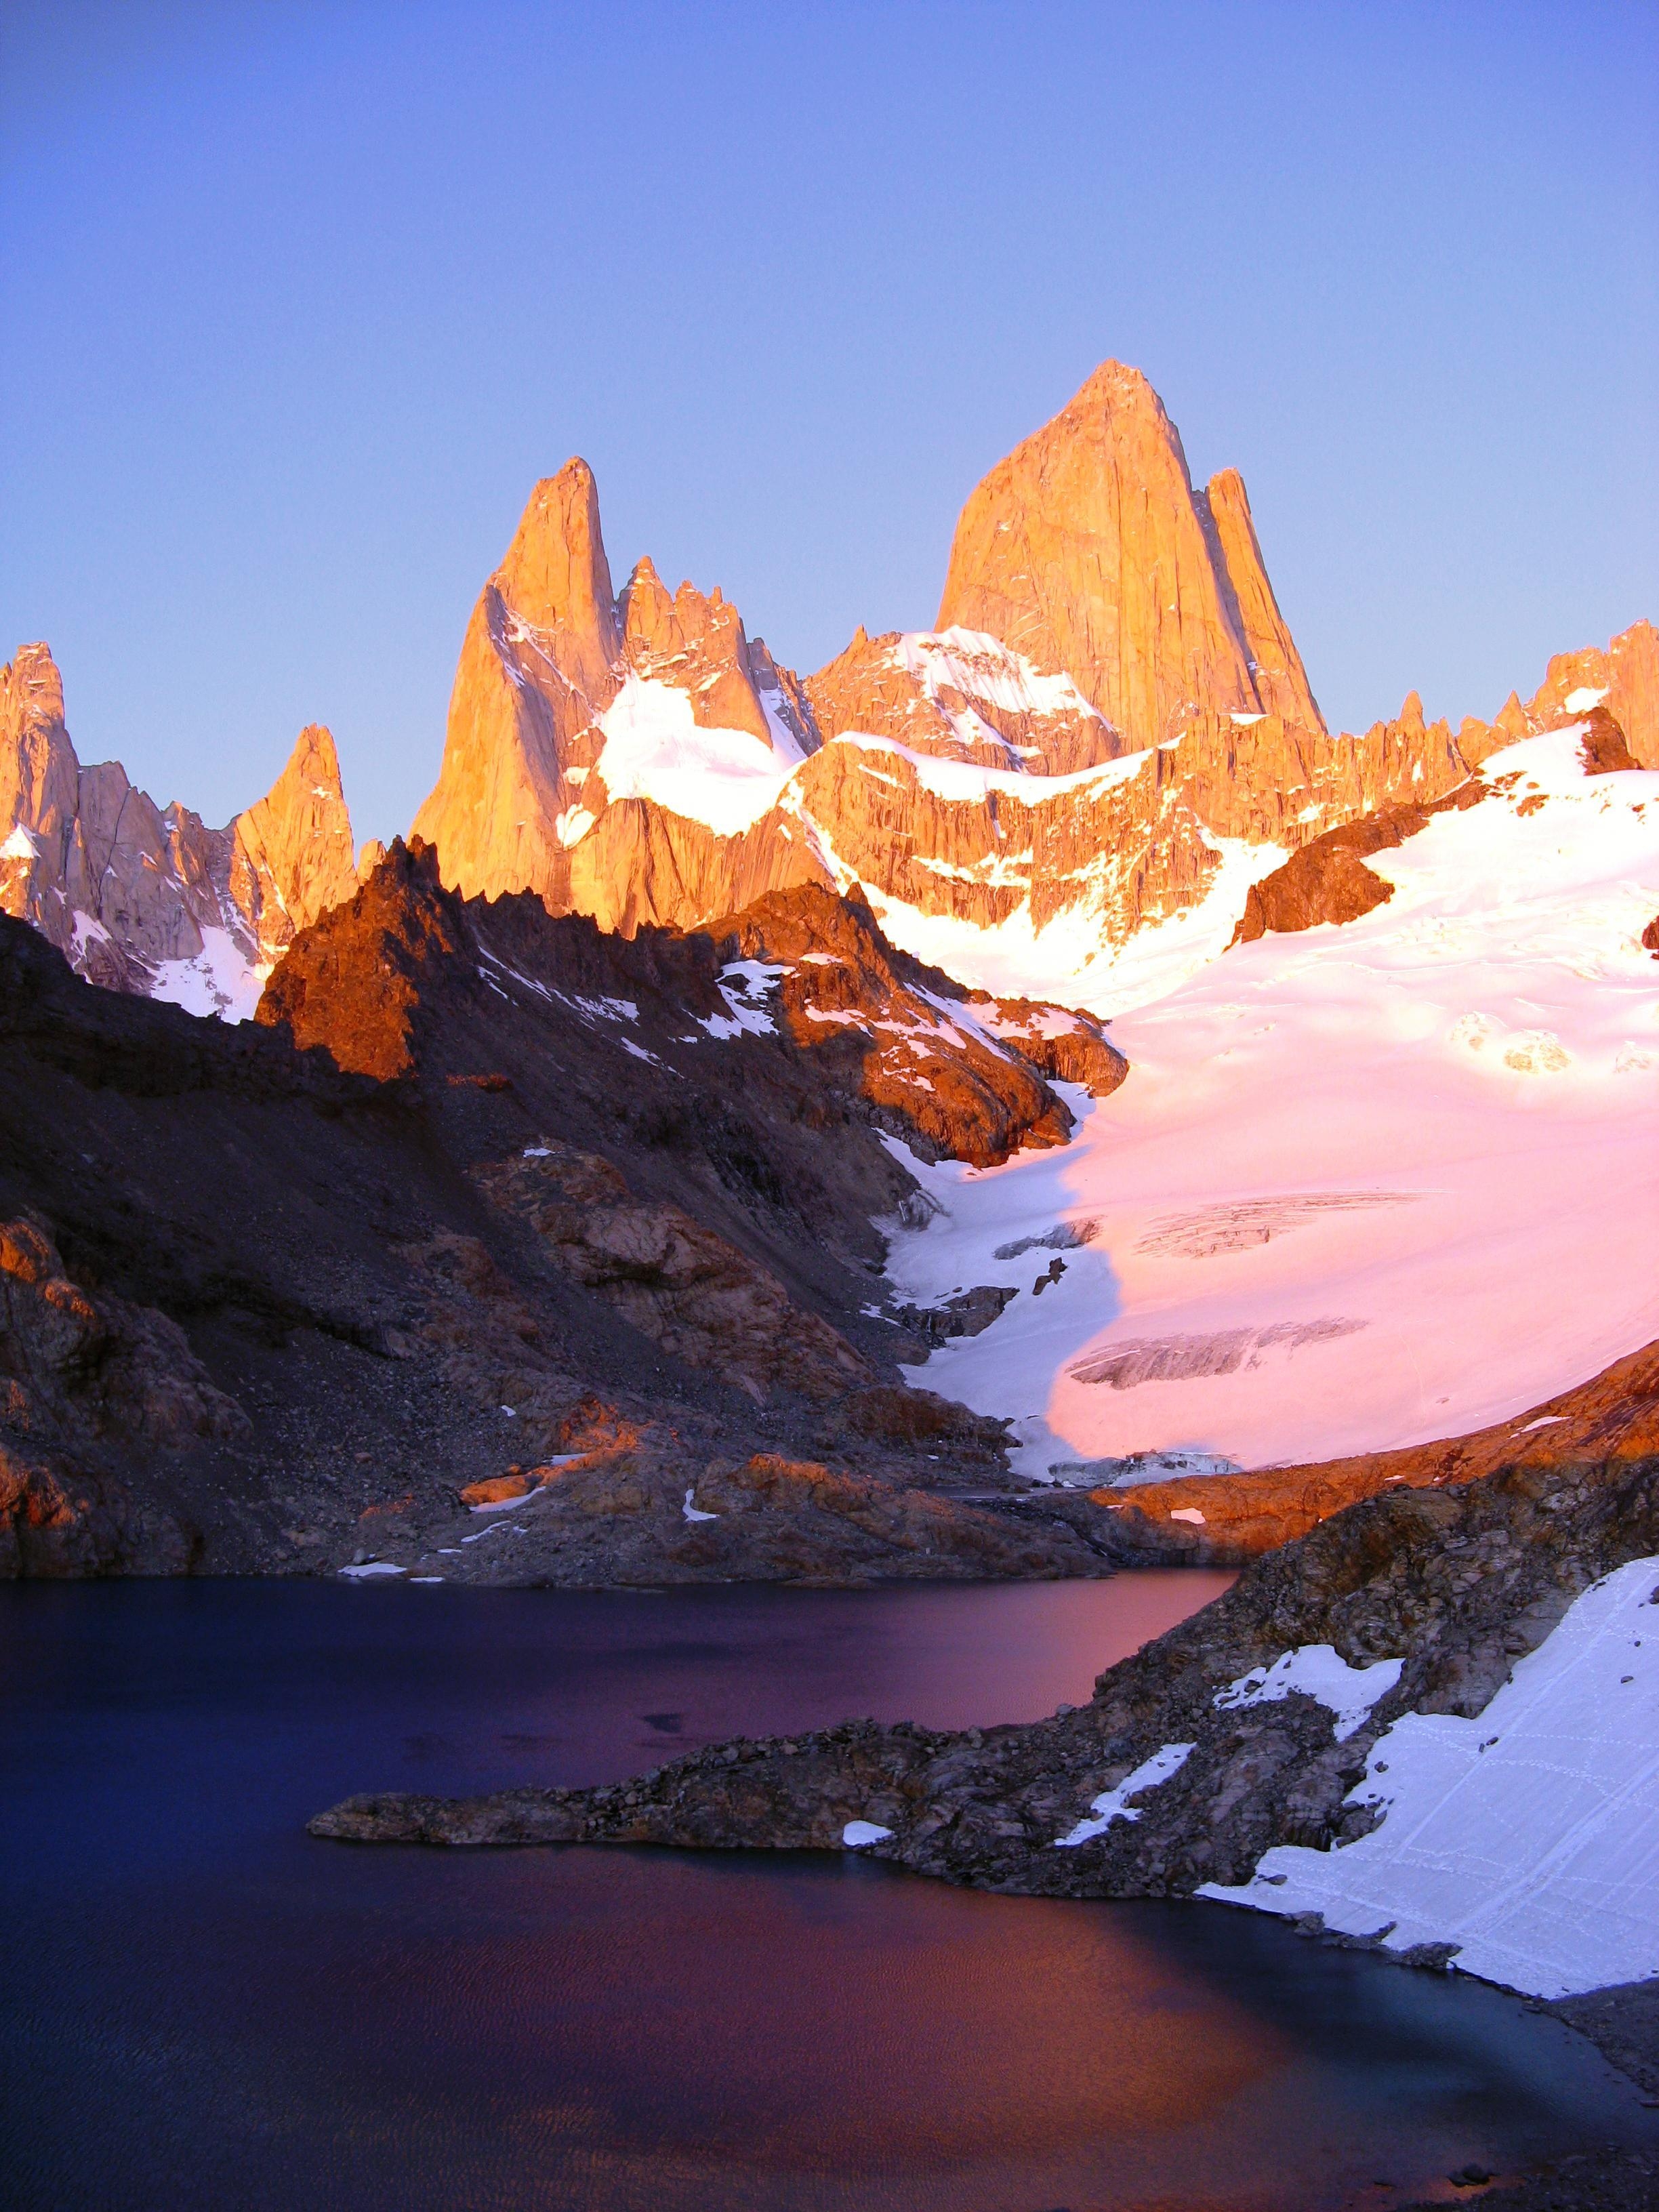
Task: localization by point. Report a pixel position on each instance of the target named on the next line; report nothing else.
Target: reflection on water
(205, 2009)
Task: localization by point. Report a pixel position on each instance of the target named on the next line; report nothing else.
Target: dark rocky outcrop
(483, 1192)
(389, 982)
(1602, 745)
(1458, 1582)
(638, 1511)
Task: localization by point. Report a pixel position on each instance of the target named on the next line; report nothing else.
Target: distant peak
(32, 676)
(556, 575)
(1118, 380)
(316, 755)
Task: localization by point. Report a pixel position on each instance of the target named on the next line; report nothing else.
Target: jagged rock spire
(146, 899)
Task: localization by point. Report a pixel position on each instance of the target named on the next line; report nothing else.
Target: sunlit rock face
(1088, 550)
(151, 900)
(571, 703)
(1065, 790)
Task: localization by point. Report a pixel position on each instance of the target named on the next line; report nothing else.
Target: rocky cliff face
(1088, 549)
(1111, 733)
(1069, 789)
(145, 899)
(488, 1197)
(569, 703)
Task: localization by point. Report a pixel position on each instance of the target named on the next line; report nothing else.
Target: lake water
(201, 2006)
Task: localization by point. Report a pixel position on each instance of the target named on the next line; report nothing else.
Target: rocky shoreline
(1461, 1583)
(1194, 1758)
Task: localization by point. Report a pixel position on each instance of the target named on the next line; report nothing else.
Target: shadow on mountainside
(490, 1198)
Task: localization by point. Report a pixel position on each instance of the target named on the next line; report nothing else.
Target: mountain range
(1025, 1100)
(1067, 789)
(149, 900)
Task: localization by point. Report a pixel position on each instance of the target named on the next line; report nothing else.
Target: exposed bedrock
(1454, 1584)
(490, 1196)
(642, 1509)
(1451, 1584)
(85, 1382)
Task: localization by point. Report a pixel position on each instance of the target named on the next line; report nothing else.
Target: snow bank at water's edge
(1527, 1838)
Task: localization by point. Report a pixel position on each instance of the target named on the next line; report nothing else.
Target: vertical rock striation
(549, 653)
(1111, 730)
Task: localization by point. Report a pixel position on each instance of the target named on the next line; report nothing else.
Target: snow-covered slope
(1072, 955)
(1526, 1837)
(655, 749)
(1364, 1186)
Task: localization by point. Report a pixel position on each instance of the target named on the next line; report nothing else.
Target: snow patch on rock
(858, 1833)
(220, 979)
(1114, 1804)
(1318, 1672)
(655, 749)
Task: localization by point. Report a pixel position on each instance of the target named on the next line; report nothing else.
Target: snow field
(654, 750)
(1528, 1836)
(1365, 1186)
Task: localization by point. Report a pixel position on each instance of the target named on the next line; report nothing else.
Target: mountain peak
(31, 684)
(1118, 383)
(148, 900)
(556, 577)
(1088, 551)
(293, 854)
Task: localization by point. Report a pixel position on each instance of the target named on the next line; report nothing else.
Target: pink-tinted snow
(1366, 1186)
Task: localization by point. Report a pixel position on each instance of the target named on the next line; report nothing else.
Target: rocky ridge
(489, 1197)
(146, 899)
(1226, 1520)
(1110, 732)
(1453, 1583)
(1110, 727)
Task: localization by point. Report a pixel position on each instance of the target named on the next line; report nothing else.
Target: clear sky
(301, 298)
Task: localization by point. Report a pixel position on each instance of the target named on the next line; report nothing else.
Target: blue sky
(299, 299)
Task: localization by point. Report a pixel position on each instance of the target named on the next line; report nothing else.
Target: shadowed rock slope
(497, 1249)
